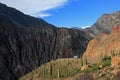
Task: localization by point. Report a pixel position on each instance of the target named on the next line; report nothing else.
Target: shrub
(73, 71)
(106, 62)
(92, 68)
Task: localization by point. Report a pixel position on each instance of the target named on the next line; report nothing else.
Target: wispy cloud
(35, 7)
(85, 27)
(41, 14)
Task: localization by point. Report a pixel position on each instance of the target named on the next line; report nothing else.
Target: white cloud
(85, 27)
(34, 7)
(41, 14)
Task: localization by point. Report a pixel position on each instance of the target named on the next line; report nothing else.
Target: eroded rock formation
(104, 45)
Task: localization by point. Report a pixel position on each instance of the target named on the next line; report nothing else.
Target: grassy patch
(62, 68)
(111, 68)
(73, 71)
(92, 68)
(106, 62)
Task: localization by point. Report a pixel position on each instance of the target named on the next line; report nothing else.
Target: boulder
(84, 67)
(115, 61)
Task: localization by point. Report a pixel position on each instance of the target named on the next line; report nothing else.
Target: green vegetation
(92, 68)
(86, 62)
(44, 70)
(59, 73)
(61, 68)
(106, 62)
(81, 62)
(111, 68)
(68, 68)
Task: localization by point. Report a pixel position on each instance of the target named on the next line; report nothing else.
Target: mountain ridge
(27, 42)
(9, 14)
(104, 24)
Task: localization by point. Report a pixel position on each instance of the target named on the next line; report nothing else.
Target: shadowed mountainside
(27, 42)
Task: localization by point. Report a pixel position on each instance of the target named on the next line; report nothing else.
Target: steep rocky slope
(27, 42)
(104, 24)
(104, 45)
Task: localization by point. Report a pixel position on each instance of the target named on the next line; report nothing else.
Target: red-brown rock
(116, 29)
(115, 61)
(103, 45)
(84, 67)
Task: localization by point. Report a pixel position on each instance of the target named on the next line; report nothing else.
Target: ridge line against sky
(66, 13)
(37, 8)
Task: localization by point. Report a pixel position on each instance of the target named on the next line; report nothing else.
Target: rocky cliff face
(104, 24)
(27, 42)
(104, 45)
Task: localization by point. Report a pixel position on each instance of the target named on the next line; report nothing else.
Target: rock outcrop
(116, 29)
(104, 24)
(27, 42)
(115, 61)
(104, 45)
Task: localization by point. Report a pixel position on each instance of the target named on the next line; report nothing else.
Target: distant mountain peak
(104, 24)
(84, 27)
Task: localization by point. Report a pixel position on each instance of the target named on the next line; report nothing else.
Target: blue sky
(82, 13)
(66, 13)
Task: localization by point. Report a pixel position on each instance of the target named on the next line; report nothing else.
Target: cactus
(44, 70)
(58, 73)
(119, 54)
(112, 53)
(86, 61)
(102, 56)
(81, 62)
(66, 73)
(32, 75)
(51, 70)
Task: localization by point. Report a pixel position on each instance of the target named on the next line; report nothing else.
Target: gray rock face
(23, 48)
(104, 24)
